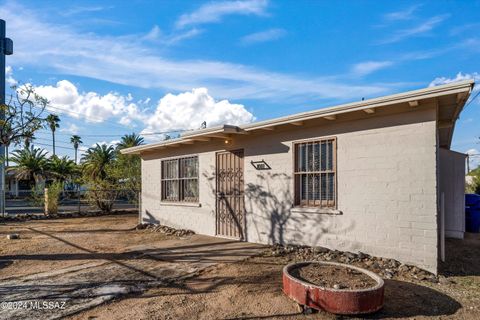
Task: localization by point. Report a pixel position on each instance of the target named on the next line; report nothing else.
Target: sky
(115, 67)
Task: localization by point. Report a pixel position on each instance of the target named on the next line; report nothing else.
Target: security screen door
(230, 195)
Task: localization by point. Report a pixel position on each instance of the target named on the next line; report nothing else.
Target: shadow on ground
(405, 299)
(462, 256)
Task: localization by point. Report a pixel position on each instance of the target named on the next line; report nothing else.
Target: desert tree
(23, 110)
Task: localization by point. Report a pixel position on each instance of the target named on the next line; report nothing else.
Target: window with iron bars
(315, 173)
(180, 179)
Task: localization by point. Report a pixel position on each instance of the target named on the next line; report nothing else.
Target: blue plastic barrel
(472, 200)
(472, 219)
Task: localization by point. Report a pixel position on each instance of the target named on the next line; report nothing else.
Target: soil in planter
(334, 277)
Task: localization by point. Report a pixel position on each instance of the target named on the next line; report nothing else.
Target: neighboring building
(367, 176)
(14, 187)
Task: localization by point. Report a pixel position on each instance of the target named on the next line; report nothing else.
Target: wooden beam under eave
(369, 110)
(150, 151)
(217, 136)
(187, 142)
(297, 123)
(461, 96)
(413, 103)
(201, 139)
(331, 118)
(443, 124)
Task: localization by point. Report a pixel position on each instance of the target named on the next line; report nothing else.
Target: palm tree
(61, 169)
(76, 141)
(30, 164)
(53, 123)
(129, 167)
(130, 140)
(96, 161)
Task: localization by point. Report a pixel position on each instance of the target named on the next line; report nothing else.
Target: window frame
(180, 181)
(319, 204)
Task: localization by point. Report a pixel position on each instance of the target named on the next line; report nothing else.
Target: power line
(471, 100)
(76, 115)
(57, 145)
(121, 134)
(71, 114)
(49, 145)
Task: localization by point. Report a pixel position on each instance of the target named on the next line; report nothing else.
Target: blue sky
(113, 67)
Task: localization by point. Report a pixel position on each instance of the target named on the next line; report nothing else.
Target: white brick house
(368, 176)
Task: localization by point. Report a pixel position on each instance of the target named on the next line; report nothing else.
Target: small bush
(36, 197)
(54, 191)
(102, 195)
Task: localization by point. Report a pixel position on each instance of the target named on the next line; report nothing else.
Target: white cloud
(90, 106)
(215, 11)
(461, 29)
(79, 10)
(263, 36)
(185, 110)
(189, 109)
(459, 77)
(71, 128)
(9, 76)
(127, 60)
(175, 38)
(367, 67)
(418, 30)
(144, 101)
(156, 35)
(406, 14)
(472, 44)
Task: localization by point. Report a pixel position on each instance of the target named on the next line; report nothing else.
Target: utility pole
(6, 48)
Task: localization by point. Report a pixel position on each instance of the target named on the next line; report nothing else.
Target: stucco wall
(452, 184)
(386, 188)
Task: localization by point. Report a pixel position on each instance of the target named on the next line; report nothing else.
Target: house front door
(230, 216)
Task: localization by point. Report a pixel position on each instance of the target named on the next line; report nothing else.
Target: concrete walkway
(80, 287)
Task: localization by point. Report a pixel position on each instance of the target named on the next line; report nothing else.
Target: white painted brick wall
(386, 188)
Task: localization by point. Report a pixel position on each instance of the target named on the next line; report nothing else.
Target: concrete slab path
(58, 293)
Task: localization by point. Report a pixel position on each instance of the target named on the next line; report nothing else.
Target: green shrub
(53, 193)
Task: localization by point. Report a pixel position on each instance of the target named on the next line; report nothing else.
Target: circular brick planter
(337, 301)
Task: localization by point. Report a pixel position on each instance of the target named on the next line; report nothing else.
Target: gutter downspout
(442, 227)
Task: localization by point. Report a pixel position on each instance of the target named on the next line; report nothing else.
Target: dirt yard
(105, 269)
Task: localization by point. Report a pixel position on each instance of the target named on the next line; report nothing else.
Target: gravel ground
(251, 289)
(248, 289)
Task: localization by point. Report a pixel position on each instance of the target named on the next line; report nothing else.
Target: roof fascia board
(425, 93)
(351, 107)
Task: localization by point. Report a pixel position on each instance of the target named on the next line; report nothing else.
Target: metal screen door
(230, 195)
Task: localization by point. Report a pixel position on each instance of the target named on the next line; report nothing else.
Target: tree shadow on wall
(271, 199)
(268, 203)
(275, 203)
(239, 222)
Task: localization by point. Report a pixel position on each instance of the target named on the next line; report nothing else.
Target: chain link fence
(75, 201)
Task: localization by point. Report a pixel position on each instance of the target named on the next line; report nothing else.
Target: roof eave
(226, 130)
